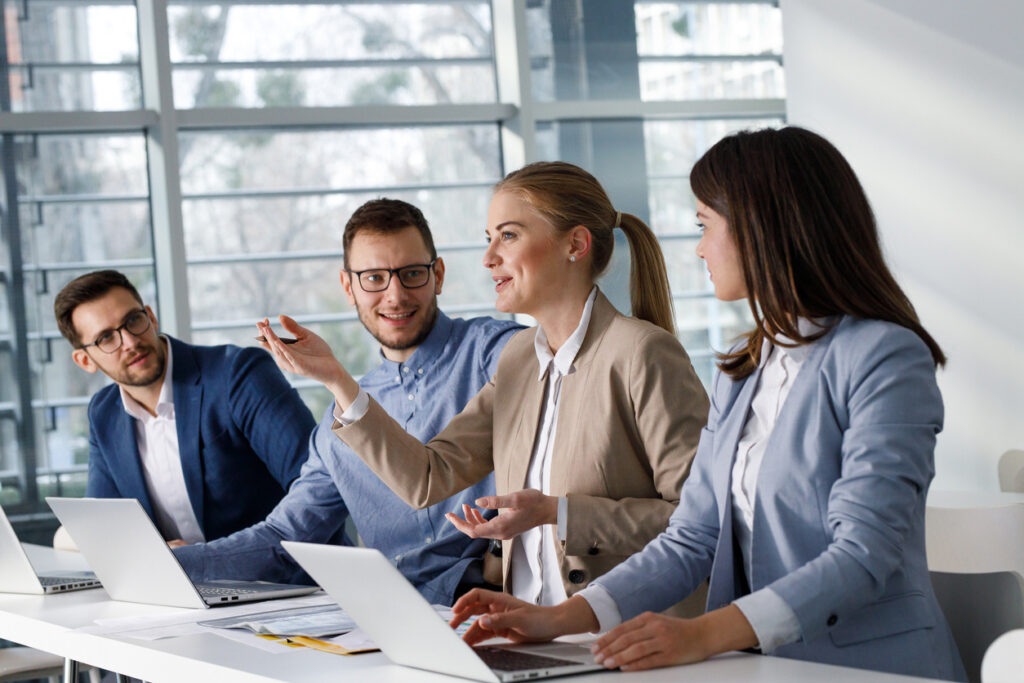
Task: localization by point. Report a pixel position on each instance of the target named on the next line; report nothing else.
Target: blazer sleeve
(271, 414)
(424, 474)
(100, 483)
(893, 411)
(670, 407)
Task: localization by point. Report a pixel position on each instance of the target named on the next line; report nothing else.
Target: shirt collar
(165, 403)
(431, 348)
(806, 327)
(567, 352)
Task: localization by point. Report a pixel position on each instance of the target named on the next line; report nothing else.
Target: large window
(214, 150)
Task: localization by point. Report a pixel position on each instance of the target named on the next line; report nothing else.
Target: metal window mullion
(164, 171)
(28, 447)
(323, 191)
(289, 64)
(512, 66)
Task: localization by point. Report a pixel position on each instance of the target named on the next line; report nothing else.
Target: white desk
(48, 623)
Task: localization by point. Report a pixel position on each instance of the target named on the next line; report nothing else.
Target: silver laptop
(135, 564)
(407, 629)
(17, 575)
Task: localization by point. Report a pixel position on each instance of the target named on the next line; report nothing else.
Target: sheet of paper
(170, 622)
(313, 622)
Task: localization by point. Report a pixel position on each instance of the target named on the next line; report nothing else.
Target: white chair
(976, 556)
(1011, 471)
(1004, 660)
(24, 663)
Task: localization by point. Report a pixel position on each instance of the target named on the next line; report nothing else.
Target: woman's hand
(520, 511)
(654, 640)
(505, 616)
(311, 357)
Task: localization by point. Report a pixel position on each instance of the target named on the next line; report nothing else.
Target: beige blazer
(629, 419)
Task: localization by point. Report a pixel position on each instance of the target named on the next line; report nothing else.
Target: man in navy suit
(207, 438)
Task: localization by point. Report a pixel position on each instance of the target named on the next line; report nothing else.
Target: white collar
(164, 404)
(567, 352)
(806, 327)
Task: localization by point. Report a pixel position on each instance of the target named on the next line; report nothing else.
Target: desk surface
(49, 623)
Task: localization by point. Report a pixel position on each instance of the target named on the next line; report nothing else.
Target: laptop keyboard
(512, 660)
(214, 591)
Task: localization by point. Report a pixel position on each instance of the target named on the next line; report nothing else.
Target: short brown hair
(806, 235)
(82, 290)
(384, 216)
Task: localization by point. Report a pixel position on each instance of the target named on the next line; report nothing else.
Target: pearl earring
(572, 259)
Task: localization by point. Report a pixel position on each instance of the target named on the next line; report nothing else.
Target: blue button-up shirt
(454, 362)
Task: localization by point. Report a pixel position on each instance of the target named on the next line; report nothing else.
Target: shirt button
(411, 397)
(398, 380)
(428, 539)
(405, 369)
(832, 619)
(420, 371)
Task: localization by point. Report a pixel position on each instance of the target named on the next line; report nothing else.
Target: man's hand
(509, 617)
(176, 543)
(655, 640)
(311, 357)
(520, 511)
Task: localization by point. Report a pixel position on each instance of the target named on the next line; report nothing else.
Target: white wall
(926, 100)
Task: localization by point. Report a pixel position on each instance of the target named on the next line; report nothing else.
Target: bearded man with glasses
(207, 438)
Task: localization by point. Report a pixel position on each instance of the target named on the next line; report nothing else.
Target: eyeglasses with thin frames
(378, 279)
(136, 323)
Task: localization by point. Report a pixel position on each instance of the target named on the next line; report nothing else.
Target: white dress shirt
(535, 571)
(157, 439)
(773, 621)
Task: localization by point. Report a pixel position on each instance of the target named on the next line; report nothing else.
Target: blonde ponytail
(649, 292)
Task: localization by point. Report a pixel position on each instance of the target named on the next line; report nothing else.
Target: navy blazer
(242, 436)
(838, 527)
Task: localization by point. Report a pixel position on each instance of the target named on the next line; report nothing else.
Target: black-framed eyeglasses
(137, 323)
(379, 279)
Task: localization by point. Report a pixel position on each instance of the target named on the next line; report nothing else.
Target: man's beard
(125, 379)
(419, 338)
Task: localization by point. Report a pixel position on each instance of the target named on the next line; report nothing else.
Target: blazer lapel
(573, 400)
(188, 407)
(727, 441)
(526, 432)
(129, 463)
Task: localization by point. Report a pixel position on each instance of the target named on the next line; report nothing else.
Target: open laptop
(407, 629)
(17, 575)
(135, 564)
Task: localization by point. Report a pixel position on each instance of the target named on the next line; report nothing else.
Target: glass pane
(607, 49)
(74, 56)
(324, 54)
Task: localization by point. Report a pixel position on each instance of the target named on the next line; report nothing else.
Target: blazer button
(494, 548)
(832, 619)
(592, 550)
(576, 576)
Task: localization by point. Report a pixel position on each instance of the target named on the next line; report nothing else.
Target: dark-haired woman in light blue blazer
(806, 501)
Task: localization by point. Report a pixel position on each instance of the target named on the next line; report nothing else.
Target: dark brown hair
(568, 196)
(806, 235)
(82, 290)
(385, 216)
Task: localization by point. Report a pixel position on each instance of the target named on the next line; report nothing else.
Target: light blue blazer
(838, 530)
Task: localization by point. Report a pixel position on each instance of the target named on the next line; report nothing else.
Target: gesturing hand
(309, 356)
(520, 511)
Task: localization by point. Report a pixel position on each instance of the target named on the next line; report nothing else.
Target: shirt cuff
(355, 411)
(774, 622)
(605, 608)
(563, 517)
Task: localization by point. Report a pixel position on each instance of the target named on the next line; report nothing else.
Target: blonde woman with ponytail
(590, 422)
